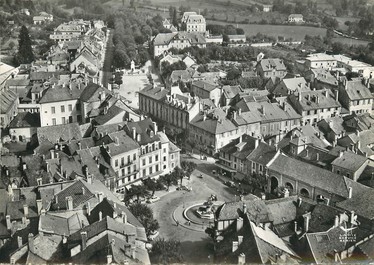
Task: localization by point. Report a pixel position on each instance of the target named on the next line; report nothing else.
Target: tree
(24, 54)
(166, 252)
(145, 216)
(152, 185)
(169, 179)
(138, 191)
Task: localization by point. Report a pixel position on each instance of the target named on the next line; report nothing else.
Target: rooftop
(25, 120)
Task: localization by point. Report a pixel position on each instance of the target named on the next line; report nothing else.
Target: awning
(229, 169)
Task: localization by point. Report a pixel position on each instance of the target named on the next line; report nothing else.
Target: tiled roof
(106, 224)
(324, 76)
(122, 143)
(164, 38)
(366, 139)
(311, 100)
(230, 210)
(42, 76)
(350, 161)
(334, 124)
(361, 204)
(75, 191)
(54, 133)
(240, 149)
(204, 85)
(183, 75)
(91, 93)
(309, 174)
(272, 63)
(70, 91)
(157, 93)
(25, 120)
(83, 143)
(262, 154)
(320, 57)
(58, 225)
(144, 128)
(7, 99)
(231, 91)
(18, 82)
(357, 90)
(217, 125)
(289, 85)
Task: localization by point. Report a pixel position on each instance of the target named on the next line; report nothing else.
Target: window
(164, 166)
(53, 110)
(143, 162)
(150, 159)
(144, 172)
(128, 170)
(134, 157)
(164, 150)
(53, 121)
(123, 171)
(70, 107)
(78, 106)
(128, 159)
(150, 170)
(172, 156)
(63, 120)
(164, 158)
(134, 168)
(156, 168)
(62, 108)
(122, 161)
(156, 158)
(116, 163)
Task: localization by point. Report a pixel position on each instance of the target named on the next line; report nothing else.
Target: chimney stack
(350, 193)
(239, 223)
(155, 129)
(8, 222)
(336, 221)
(244, 208)
(100, 215)
(19, 241)
(295, 226)
(25, 210)
(257, 142)
(134, 133)
(31, 243)
(88, 207)
(109, 259)
(100, 196)
(235, 246)
(241, 259)
(124, 217)
(69, 203)
(39, 206)
(306, 222)
(240, 240)
(84, 239)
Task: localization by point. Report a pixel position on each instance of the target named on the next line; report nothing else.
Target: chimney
(306, 222)
(31, 243)
(89, 178)
(124, 217)
(239, 111)
(244, 208)
(350, 193)
(39, 206)
(109, 259)
(79, 145)
(84, 240)
(336, 256)
(240, 240)
(263, 109)
(299, 201)
(263, 196)
(241, 259)
(100, 196)
(326, 93)
(286, 193)
(133, 252)
(138, 138)
(358, 145)
(352, 217)
(340, 154)
(88, 207)
(257, 142)
(234, 115)
(295, 226)
(69, 203)
(100, 215)
(336, 92)
(25, 210)
(307, 152)
(336, 221)
(239, 223)
(235, 246)
(155, 129)
(134, 133)
(240, 139)
(317, 157)
(19, 241)
(83, 191)
(39, 181)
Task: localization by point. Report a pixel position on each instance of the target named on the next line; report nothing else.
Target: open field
(297, 33)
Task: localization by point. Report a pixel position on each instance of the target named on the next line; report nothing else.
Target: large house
(207, 90)
(267, 68)
(320, 60)
(179, 40)
(315, 105)
(193, 22)
(355, 96)
(296, 18)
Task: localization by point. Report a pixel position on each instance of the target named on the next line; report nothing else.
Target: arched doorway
(273, 184)
(304, 193)
(289, 187)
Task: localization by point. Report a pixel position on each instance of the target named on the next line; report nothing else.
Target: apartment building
(316, 105)
(355, 96)
(271, 67)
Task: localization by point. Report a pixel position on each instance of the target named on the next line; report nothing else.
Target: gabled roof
(262, 154)
(144, 128)
(157, 92)
(316, 99)
(215, 122)
(91, 93)
(70, 91)
(356, 90)
(272, 64)
(350, 161)
(52, 224)
(241, 147)
(362, 204)
(63, 132)
(310, 174)
(289, 85)
(25, 120)
(122, 143)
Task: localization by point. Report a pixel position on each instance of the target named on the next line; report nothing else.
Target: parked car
(230, 183)
(153, 199)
